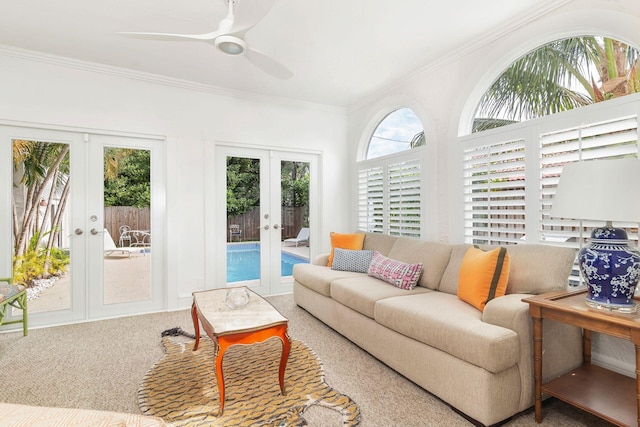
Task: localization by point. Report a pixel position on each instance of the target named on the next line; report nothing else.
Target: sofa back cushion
(434, 257)
(534, 268)
(379, 242)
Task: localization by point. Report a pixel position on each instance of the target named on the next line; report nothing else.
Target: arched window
(390, 180)
(399, 131)
(511, 170)
(559, 76)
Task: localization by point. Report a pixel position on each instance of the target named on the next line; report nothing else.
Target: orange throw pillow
(483, 276)
(345, 241)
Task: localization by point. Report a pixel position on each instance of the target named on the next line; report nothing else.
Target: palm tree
(559, 76)
(42, 173)
(45, 172)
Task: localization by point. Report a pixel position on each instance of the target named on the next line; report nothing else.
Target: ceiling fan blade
(268, 64)
(247, 13)
(171, 37)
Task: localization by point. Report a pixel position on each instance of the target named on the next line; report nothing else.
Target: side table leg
(537, 366)
(286, 349)
(196, 325)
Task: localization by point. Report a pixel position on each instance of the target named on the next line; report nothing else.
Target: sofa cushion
(351, 260)
(443, 321)
(536, 269)
(319, 277)
(361, 293)
(396, 273)
(483, 276)
(449, 282)
(345, 241)
(434, 257)
(23, 415)
(379, 242)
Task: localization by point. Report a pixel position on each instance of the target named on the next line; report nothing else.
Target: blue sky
(394, 133)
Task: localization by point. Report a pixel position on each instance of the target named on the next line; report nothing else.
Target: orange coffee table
(254, 323)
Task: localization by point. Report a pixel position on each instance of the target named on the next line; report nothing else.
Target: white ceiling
(340, 51)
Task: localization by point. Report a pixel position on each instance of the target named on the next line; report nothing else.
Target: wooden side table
(604, 393)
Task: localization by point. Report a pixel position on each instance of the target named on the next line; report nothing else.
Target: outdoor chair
(234, 231)
(302, 237)
(110, 246)
(125, 235)
(13, 296)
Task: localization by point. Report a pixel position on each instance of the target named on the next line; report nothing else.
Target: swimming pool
(243, 262)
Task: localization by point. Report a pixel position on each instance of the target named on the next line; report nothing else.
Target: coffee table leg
(220, 348)
(286, 349)
(196, 325)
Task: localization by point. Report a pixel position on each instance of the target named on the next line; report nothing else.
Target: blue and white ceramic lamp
(604, 190)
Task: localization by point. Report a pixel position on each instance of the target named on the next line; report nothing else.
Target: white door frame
(77, 137)
(216, 218)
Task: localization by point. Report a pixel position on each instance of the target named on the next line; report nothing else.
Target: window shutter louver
(494, 193)
(390, 194)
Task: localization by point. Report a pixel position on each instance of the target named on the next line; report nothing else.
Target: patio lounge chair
(302, 237)
(110, 246)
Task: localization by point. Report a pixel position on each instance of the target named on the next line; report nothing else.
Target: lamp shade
(606, 190)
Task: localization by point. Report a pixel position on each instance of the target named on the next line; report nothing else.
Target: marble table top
(213, 311)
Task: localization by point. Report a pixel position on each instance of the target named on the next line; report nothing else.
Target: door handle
(266, 227)
(94, 231)
(78, 231)
(276, 226)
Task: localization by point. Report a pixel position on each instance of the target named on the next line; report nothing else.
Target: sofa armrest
(322, 259)
(509, 311)
(562, 340)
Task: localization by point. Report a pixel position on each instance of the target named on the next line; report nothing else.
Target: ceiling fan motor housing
(231, 45)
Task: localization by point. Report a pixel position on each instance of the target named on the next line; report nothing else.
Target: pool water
(243, 262)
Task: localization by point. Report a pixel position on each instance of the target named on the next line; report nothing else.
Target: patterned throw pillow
(351, 260)
(399, 274)
(353, 241)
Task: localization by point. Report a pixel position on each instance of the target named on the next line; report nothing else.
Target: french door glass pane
(41, 230)
(243, 220)
(127, 225)
(294, 184)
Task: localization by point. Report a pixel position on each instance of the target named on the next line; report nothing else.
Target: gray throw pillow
(351, 260)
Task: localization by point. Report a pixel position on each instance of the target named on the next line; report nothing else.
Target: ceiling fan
(229, 37)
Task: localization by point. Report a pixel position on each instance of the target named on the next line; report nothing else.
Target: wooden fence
(117, 216)
(293, 219)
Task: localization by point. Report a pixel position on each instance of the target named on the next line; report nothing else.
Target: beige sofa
(479, 362)
(28, 416)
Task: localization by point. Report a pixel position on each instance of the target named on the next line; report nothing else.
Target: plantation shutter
(403, 208)
(612, 139)
(371, 199)
(390, 194)
(501, 207)
(494, 192)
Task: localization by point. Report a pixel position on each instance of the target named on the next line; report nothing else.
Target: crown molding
(93, 67)
(487, 38)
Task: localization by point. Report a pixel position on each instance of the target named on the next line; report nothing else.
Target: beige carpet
(100, 365)
(182, 388)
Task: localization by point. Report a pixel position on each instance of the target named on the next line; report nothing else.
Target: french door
(266, 199)
(55, 220)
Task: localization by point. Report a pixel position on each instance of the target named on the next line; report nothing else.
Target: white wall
(445, 95)
(55, 91)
